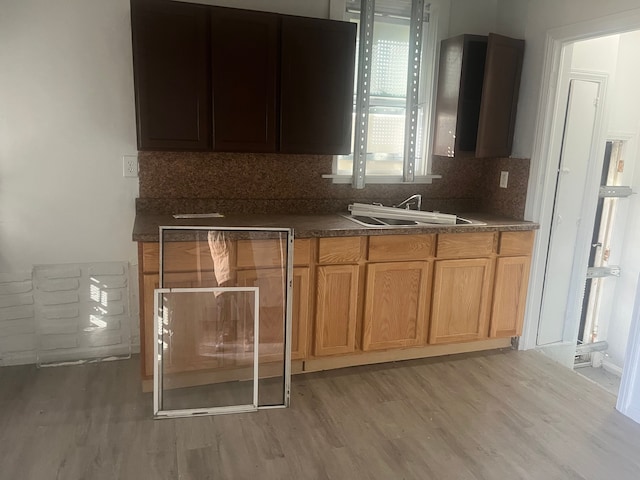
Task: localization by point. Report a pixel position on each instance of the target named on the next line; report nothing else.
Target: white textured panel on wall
(82, 312)
(17, 319)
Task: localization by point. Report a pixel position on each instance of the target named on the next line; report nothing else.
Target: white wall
(625, 119)
(472, 16)
(543, 15)
(597, 55)
(66, 119)
(481, 17)
(512, 17)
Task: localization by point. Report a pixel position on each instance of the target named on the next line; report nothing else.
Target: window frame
(426, 101)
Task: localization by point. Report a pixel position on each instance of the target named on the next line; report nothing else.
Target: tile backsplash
(510, 201)
(185, 182)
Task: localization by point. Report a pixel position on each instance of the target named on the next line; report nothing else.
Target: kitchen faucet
(412, 200)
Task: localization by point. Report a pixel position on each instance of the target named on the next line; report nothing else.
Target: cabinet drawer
(268, 253)
(516, 243)
(178, 257)
(465, 245)
(340, 250)
(401, 247)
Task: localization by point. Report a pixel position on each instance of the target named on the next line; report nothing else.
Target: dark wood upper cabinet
(478, 84)
(244, 47)
(503, 68)
(316, 90)
(171, 73)
(223, 79)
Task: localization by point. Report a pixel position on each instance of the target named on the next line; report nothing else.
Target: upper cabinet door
(244, 72)
(316, 92)
(478, 84)
(462, 61)
(171, 70)
(500, 89)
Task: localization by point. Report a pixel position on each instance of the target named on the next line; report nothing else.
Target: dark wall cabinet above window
(478, 85)
(222, 79)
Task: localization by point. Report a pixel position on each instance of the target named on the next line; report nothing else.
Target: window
(396, 55)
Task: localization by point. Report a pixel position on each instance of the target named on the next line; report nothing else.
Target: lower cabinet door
(191, 342)
(461, 300)
(271, 284)
(396, 305)
(272, 305)
(300, 313)
(510, 296)
(336, 309)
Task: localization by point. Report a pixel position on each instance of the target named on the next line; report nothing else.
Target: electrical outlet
(504, 179)
(129, 165)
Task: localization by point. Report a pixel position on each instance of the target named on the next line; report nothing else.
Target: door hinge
(600, 272)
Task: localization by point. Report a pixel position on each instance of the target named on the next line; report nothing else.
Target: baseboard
(611, 367)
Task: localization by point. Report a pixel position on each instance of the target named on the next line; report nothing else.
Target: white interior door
(566, 259)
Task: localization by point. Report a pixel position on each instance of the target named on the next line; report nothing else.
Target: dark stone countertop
(146, 227)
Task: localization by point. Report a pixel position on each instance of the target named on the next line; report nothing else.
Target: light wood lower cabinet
(396, 305)
(336, 309)
(352, 296)
(300, 312)
(271, 283)
(509, 296)
(188, 345)
(461, 300)
(214, 332)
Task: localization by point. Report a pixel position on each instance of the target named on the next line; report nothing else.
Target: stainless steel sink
(394, 223)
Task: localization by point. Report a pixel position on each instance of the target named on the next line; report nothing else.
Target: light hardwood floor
(505, 415)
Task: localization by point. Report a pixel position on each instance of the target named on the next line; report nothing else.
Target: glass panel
(386, 140)
(81, 312)
(212, 336)
(390, 59)
(385, 144)
(271, 283)
(206, 348)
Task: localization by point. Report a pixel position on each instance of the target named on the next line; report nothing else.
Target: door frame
(542, 180)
